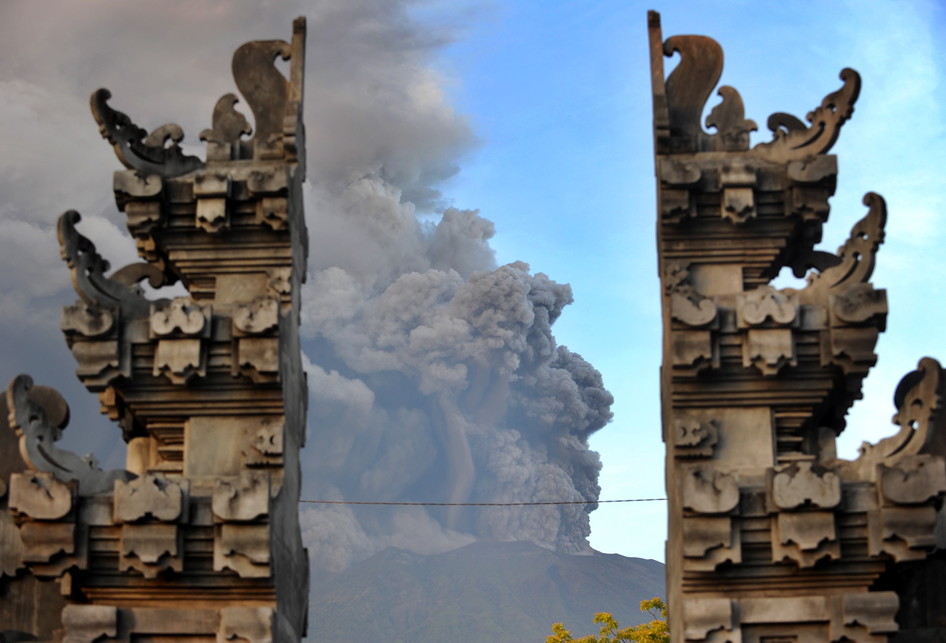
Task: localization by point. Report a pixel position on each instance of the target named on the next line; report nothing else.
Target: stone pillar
(199, 537)
(771, 536)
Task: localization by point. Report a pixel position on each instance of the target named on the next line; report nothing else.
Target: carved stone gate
(772, 538)
(198, 538)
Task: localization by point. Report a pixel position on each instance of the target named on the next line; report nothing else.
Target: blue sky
(557, 96)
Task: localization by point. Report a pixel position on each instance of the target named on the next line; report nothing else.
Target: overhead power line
(479, 504)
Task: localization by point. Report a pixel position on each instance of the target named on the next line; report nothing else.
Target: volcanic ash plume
(433, 373)
(428, 385)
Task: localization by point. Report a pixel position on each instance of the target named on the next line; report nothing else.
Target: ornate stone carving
(737, 181)
(709, 492)
(686, 304)
(259, 316)
(857, 254)
(767, 305)
(242, 498)
(179, 317)
(40, 495)
(805, 538)
(771, 537)
(150, 496)
(229, 125)
(37, 444)
(207, 389)
(793, 140)
(151, 549)
(88, 268)
(804, 483)
(689, 86)
(693, 438)
(138, 150)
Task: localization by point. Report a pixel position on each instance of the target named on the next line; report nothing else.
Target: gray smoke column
(433, 373)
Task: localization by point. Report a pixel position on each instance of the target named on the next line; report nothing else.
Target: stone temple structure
(772, 537)
(197, 539)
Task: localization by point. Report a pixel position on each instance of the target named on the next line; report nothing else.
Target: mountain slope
(486, 591)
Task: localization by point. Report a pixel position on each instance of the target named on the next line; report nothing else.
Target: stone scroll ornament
(154, 153)
(87, 268)
(689, 86)
(39, 420)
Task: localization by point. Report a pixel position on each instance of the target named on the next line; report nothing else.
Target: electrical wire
(478, 504)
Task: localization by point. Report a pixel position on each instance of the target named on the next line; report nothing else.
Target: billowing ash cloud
(433, 373)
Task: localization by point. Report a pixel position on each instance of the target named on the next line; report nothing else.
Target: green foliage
(611, 632)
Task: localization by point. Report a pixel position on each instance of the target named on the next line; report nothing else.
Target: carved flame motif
(148, 154)
(87, 268)
(922, 427)
(38, 436)
(858, 254)
(793, 140)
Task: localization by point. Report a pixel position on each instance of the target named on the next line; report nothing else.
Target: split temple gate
(198, 538)
(772, 537)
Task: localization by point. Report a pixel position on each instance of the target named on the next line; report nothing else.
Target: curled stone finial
(265, 89)
(228, 125)
(88, 272)
(794, 140)
(858, 254)
(729, 119)
(690, 84)
(157, 153)
(39, 421)
(919, 416)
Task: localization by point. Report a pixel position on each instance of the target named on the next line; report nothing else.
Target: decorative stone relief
(812, 182)
(865, 616)
(693, 438)
(709, 542)
(151, 548)
(805, 537)
(37, 444)
(676, 203)
(805, 483)
(767, 306)
(212, 190)
(180, 360)
(686, 304)
(903, 533)
(243, 549)
(138, 150)
(40, 495)
(150, 496)
(793, 140)
(179, 317)
(768, 349)
(243, 498)
(257, 358)
(229, 125)
(915, 480)
(257, 317)
(738, 202)
(264, 443)
(709, 492)
(707, 617)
